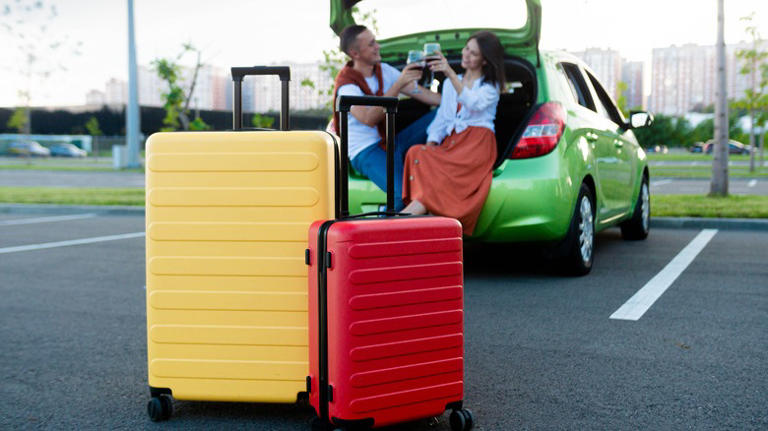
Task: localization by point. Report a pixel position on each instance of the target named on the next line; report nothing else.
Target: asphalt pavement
(541, 349)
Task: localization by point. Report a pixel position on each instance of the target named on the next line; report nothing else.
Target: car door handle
(591, 137)
(617, 143)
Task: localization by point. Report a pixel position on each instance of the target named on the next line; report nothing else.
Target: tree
(34, 53)
(719, 184)
(92, 126)
(621, 102)
(176, 99)
(262, 121)
(754, 100)
(665, 130)
(19, 120)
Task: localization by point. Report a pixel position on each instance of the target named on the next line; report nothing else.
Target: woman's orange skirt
(452, 179)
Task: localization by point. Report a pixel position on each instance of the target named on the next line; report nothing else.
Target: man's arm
(372, 115)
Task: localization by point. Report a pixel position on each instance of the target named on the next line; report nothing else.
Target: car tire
(580, 240)
(639, 225)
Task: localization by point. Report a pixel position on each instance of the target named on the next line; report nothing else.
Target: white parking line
(641, 301)
(660, 182)
(752, 183)
(45, 219)
(45, 245)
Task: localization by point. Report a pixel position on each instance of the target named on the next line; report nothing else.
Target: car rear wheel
(639, 225)
(580, 240)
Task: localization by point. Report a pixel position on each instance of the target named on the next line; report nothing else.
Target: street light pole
(719, 183)
(132, 120)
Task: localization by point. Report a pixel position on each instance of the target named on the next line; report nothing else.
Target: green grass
(703, 172)
(694, 157)
(102, 168)
(73, 196)
(734, 206)
(737, 206)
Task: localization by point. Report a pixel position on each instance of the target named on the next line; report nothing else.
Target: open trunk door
(406, 24)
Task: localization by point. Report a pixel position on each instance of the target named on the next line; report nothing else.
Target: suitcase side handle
(238, 73)
(343, 105)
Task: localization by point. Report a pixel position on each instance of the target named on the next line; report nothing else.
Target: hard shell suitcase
(227, 215)
(385, 311)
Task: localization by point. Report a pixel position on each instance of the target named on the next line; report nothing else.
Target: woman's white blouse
(478, 108)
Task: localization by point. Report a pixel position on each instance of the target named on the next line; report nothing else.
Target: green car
(568, 163)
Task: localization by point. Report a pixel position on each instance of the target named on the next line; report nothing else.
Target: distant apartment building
(683, 77)
(214, 89)
(301, 97)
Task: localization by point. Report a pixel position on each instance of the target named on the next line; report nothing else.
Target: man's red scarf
(348, 75)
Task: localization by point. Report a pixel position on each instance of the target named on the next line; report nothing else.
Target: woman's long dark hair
(493, 54)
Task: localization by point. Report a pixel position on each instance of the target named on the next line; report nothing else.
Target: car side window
(578, 85)
(567, 83)
(605, 102)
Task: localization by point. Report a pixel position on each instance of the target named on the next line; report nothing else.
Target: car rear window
(399, 17)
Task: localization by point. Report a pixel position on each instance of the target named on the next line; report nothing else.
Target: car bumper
(529, 200)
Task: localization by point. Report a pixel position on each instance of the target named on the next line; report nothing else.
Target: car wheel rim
(586, 229)
(646, 206)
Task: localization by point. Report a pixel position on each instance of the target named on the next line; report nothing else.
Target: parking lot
(542, 350)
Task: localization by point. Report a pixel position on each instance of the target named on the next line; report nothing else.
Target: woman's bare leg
(415, 208)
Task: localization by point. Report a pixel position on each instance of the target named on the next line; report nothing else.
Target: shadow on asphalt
(526, 258)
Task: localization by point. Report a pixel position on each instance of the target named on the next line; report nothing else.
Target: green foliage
(198, 124)
(176, 100)
(19, 120)
(677, 131)
(621, 102)
(92, 126)
(262, 121)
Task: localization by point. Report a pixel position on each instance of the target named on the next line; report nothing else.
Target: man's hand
(410, 74)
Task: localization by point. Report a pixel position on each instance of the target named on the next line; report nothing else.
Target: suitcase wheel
(160, 408)
(461, 420)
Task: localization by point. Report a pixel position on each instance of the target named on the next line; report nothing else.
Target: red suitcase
(385, 310)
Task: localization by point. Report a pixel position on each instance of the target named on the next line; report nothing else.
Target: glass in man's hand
(416, 57)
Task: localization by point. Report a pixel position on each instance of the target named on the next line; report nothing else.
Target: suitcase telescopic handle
(238, 73)
(343, 105)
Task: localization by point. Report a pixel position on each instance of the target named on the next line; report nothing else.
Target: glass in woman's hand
(430, 53)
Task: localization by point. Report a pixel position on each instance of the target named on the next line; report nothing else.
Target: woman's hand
(440, 64)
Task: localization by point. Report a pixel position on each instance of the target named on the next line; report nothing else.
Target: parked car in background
(734, 147)
(663, 149)
(67, 150)
(568, 162)
(698, 147)
(27, 149)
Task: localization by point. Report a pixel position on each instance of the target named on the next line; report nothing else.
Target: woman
(451, 174)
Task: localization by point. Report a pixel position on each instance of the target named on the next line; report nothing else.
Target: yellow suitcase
(227, 216)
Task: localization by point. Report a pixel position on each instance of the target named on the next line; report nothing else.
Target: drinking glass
(415, 56)
(430, 53)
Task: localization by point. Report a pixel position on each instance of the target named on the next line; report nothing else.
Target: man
(365, 74)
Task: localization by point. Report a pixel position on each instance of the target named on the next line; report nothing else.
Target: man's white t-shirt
(362, 136)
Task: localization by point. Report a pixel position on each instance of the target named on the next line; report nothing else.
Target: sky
(251, 32)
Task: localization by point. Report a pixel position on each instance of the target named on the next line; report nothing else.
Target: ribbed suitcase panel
(227, 216)
(395, 307)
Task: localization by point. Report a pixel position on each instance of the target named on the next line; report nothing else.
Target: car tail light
(542, 133)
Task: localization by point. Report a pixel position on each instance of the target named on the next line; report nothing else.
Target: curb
(710, 223)
(656, 222)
